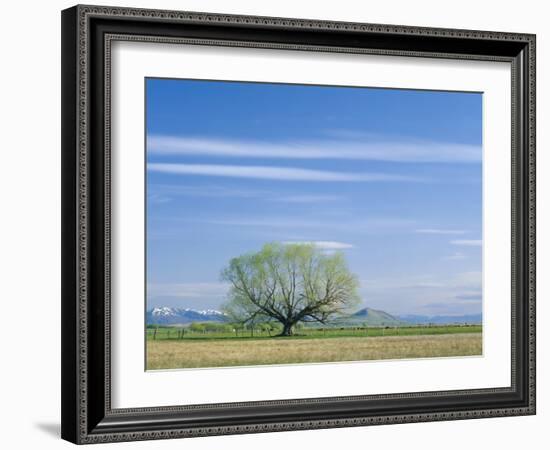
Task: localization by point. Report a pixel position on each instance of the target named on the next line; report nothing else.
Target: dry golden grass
(251, 352)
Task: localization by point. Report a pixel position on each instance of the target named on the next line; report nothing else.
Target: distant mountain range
(369, 317)
(170, 316)
(365, 317)
(470, 319)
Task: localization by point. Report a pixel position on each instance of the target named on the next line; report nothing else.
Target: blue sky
(392, 178)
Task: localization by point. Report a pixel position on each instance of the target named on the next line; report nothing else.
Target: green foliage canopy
(289, 284)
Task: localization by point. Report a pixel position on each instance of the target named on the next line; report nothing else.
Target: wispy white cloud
(367, 225)
(460, 293)
(462, 280)
(325, 245)
(275, 173)
(454, 308)
(425, 285)
(308, 198)
(455, 256)
(161, 193)
(157, 198)
(439, 231)
(176, 190)
(474, 297)
(468, 242)
(354, 149)
(187, 290)
(471, 279)
(358, 135)
(263, 222)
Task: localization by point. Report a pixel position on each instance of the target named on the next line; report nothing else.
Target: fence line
(183, 332)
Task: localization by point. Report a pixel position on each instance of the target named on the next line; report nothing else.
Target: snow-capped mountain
(168, 315)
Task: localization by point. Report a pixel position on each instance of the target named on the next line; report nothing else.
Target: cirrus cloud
(468, 242)
(438, 231)
(406, 151)
(274, 173)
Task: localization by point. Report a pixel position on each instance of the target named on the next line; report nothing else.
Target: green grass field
(170, 347)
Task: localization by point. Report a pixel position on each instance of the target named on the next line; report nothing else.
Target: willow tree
(289, 284)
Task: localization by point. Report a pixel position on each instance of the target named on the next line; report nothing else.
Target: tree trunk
(287, 329)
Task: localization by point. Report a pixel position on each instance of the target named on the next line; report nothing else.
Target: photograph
(299, 224)
(272, 222)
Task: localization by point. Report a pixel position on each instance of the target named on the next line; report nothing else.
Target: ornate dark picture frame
(87, 33)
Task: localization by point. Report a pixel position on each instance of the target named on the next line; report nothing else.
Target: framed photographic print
(267, 222)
